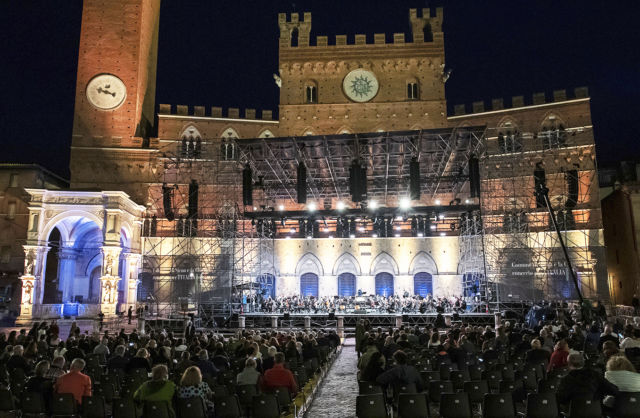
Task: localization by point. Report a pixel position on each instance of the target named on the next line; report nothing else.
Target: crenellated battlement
(215, 112)
(539, 98)
(425, 28)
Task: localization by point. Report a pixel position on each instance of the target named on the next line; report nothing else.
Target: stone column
(498, 319)
(274, 322)
(398, 321)
(307, 322)
(241, 321)
(130, 277)
(67, 269)
(340, 326)
(34, 263)
(447, 319)
(109, 281)
(27, 300)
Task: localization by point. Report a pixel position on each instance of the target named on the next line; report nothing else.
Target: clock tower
(115, 94)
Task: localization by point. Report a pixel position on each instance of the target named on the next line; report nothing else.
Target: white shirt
(629, 342)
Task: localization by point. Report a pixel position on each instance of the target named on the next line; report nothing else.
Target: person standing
(130, 314)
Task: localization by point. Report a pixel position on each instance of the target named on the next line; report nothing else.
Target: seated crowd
(118, 374)
(560, 367)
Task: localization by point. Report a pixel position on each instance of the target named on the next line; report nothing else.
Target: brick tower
(115, 95)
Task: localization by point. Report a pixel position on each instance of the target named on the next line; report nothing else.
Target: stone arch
(552, 120)
(190, 131)
(266, 133)
(310, 91)
(508, 123)
(384, 263)
(423, 262)
(347, 263)
(308, 132)
(344, 130)
(309, 263)
(64, 222)
(229, 133)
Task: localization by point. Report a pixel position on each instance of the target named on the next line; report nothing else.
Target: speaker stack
(247, 186)
(302, 183)
(167, 202)
(474, 176)
(414, 179)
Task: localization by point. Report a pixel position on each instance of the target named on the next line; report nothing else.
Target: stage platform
(327, 320)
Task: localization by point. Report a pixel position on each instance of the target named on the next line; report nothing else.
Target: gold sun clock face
(106, 92)
(360, 85)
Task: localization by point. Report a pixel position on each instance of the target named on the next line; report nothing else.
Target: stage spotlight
(340, 205)
(326, 230)
(255, 208)
(361, 229)
(352, 236)
(292, 230)
(397, 235)
(442, 234)
(437, 202)
(374, 235)
(309, 236)
(420, 234)
(330, 236)
(287, 237)
(441, 216)
(373, 204)
(281, 208)
(311, 207)
(398, 228)
(433, 227)
(398, 218)
(405, 203)
(467, 201)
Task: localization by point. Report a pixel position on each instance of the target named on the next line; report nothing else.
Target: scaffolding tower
(523, 255)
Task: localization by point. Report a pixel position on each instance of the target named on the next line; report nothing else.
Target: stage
(349, 320)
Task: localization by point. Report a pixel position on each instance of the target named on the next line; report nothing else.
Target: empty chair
(508, 372)
(93, 407)
(529, 380)
(413, 405)
(475, 372)
(458, 377)
(437, 388)
(548, 385)
(227, 406)
(516, 389)
(585, 408)
(219, 390)
(493, 378)
(107, 391)
(498, 405)
(542, 405)
(245, 395)
(431, 376)
(6, 401)
(627, 405)
(63, 404)
(371, 406)
(455, 405)
(445, 371)
(191, 407)
(124, 408)
(32, 404)
(476, 389)
(265, 406)
(284, 397)
(368, 388)
(159, 409)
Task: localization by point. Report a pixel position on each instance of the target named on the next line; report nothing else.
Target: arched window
(413, 90)
(309, 285)
(266, 134)
(267, 284)
(183, 149)
(552, 133)
(51, 292)
(294, 37)
(228, 146)
(384, 284)
(308, 133)
(423, 284)
(311, 93)
(191, 143)
(198, 150)
(509, 141)
(346, 285)
(428, 34)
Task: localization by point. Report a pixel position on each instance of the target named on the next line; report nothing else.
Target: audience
(583, 383)
(278, 376)
(249, 375)
(74, 382)
(191, 385)
(401, 374)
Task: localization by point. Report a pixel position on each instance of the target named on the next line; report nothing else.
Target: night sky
(223, 53)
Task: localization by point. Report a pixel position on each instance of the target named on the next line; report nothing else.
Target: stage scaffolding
(524, 259)
(208, 260)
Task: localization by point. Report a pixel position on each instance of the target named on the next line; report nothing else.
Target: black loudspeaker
(302, 183)
(474, 176)
(247, 186)
(332, 316)
(286, 316)
(414, 179)
(572, 188)
(405, 318)
(357, 182)
(540, 181)
(167, 202)
(193, 208)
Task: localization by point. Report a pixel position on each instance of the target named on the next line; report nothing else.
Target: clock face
(360, 85)
(106, 91)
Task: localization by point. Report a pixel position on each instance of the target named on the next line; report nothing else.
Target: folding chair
(32, 404)
(627, 405)
(191, 408)
(63, 404)
(265, 406)
(542, 405)
(371, 406)
(227, 406)
(368, 388)
(437, 388)
(498, 405)
(124, 408)
(455, 405)
(160, 409)
(413, 405)
(93, 407)
(585, 408)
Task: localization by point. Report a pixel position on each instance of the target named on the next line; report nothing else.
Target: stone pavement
(337, 395)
